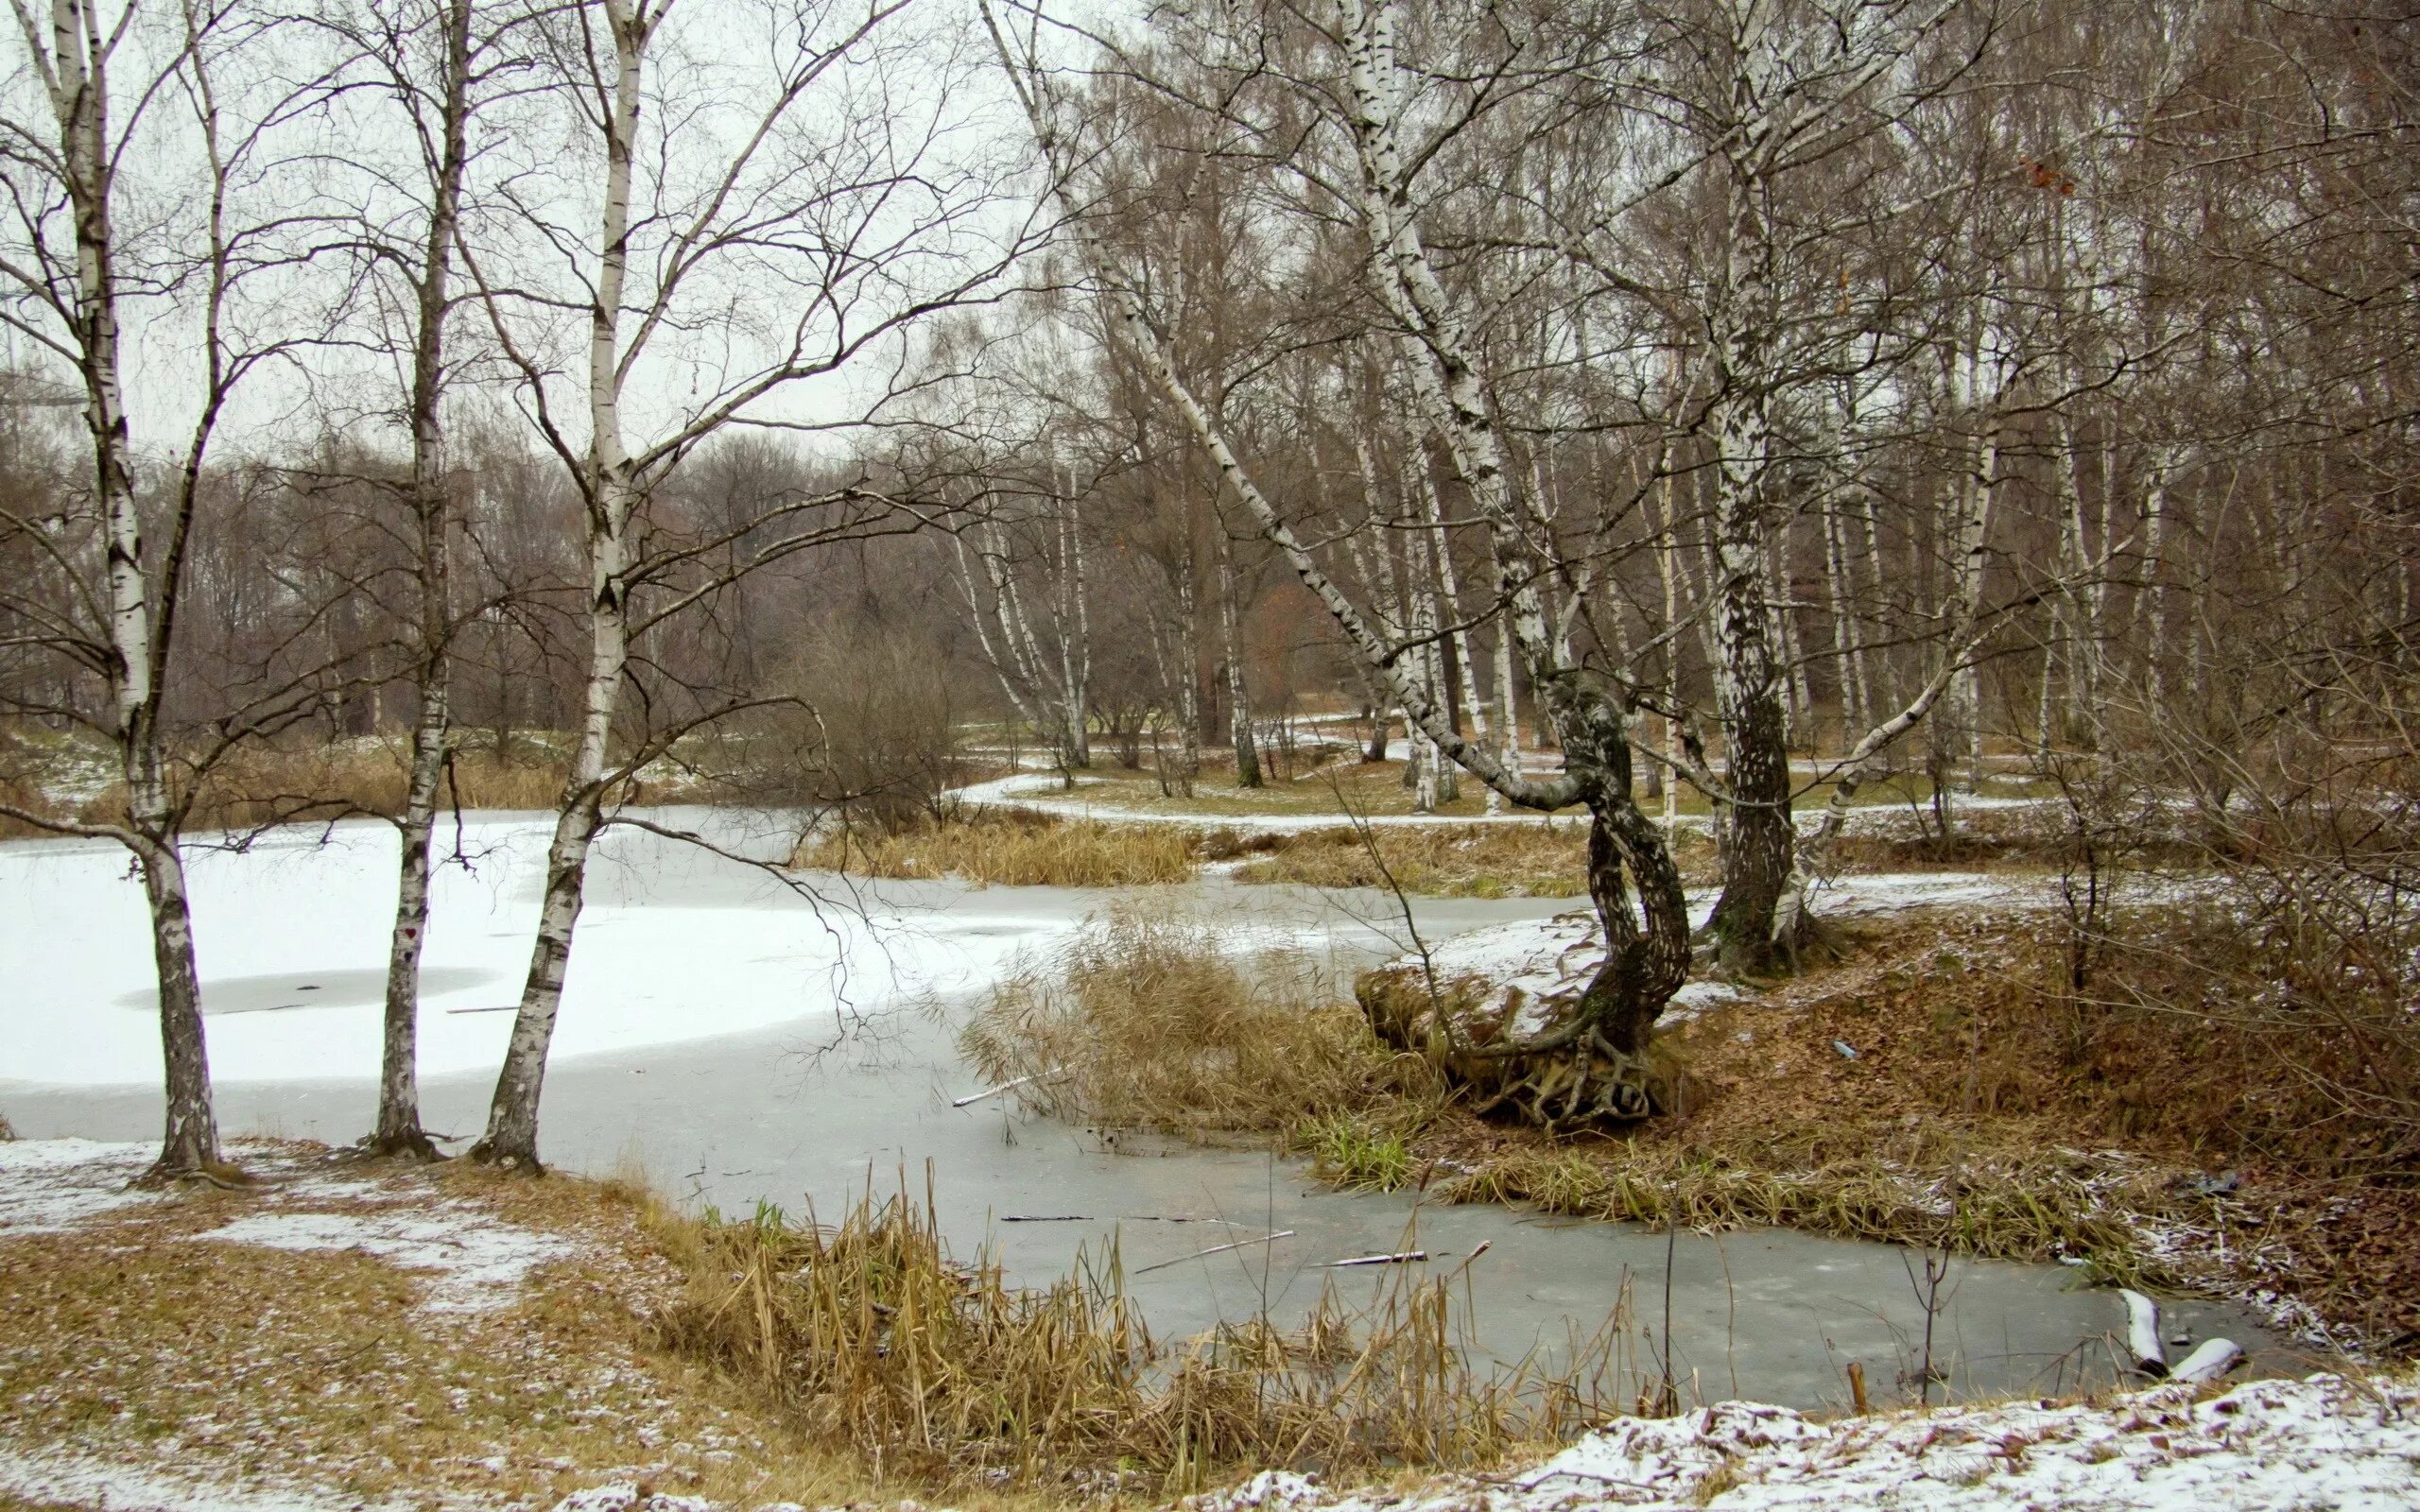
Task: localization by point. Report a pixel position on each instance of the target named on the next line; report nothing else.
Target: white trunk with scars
(1449, 596)
(512, 1136)
(2155, 602)
(1449, 381)
(1075, 625)
(71, 56)
(1848, 646)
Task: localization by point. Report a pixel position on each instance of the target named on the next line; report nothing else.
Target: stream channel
(845, 1081)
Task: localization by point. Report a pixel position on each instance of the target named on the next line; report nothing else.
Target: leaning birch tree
(786, 226)
(1631, 878)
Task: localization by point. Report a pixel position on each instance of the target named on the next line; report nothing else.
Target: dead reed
(1009, 847)
(2004, 1209)
(870, 1336)
(1152, 1019)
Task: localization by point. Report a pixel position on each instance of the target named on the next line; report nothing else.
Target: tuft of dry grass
(1148, 1019)
(1009, 847)
(263, 784)
(124, 1341)
(1451, 861)
(871, 1337)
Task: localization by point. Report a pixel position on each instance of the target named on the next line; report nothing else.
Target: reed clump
(2050, 1208)
(873, 1338)
(254, 787)
(1148, 1019)
(1008, 848)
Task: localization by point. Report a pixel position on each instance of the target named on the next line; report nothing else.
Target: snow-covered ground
(1532, 965)
(2267, 1446)
(291, 935)
(49, 1185)
(1036, 792)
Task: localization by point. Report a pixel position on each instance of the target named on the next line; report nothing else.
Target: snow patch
(47, 1185)
(77, 1481)
(624, 1496)
(478, 1263)
(2324, 1442)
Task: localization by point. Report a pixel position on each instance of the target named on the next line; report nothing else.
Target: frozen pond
(740, 1043)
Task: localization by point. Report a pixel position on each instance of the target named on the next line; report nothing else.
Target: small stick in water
(1004, 1087)
(1051, 1217)
(1219, 1250)
(1404, 1259)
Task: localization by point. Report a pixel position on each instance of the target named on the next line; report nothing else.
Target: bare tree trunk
(1239, 693)
(1188, 689)
(2154, 599)
(1074, 633)
(512, 1136)
(71, 59)
(1848, 646)
(398, 1129)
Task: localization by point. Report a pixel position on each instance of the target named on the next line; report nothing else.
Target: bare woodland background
(412, 401)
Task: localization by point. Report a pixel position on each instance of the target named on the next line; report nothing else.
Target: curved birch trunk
(1586, 712)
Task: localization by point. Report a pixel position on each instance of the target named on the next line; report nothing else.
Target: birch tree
(1631, 874)
(116, 103)
(785, 227)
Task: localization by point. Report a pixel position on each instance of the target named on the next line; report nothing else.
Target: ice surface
(292, 935)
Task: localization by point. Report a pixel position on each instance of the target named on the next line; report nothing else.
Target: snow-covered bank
(1034, 792)
(2328, 1442)
(675, 944)
(1522, 970)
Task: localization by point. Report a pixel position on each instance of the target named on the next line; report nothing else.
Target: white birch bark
(612, 494)
(398, 1129)
(71, 50)
(2154, 599)
(1075, 629)
(1232, 632)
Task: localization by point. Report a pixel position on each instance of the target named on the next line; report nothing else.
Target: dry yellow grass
(1145, 1020)
(870, 1336)
(263, 784)
(123, 1342)
(1010, 849)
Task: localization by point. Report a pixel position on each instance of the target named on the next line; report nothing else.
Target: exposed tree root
(1575, 1077)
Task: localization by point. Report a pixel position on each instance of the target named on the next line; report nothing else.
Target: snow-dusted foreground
(2326, 1442)
(675, 944)
(468, 1260)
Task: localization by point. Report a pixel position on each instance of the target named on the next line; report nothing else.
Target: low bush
(1150, 1020)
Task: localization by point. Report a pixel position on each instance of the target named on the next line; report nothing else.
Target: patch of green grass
(1349, 1153)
